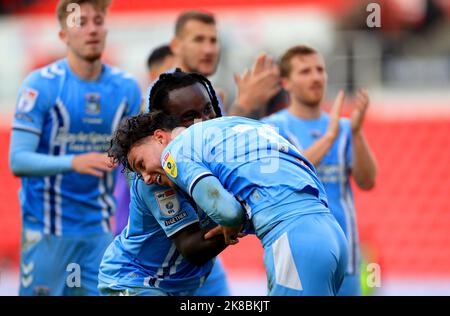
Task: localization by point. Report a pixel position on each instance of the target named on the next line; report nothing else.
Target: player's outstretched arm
(25, 161)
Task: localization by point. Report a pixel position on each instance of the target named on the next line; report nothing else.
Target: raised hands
(361, 105)
(335, 112)
(256, 86)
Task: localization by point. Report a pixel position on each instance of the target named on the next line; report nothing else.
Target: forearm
(364, 166)
(34, 164)
(247, 107)
(25, 161)
(319, 149)
(236, 109)
(218, 203)
(195, 248)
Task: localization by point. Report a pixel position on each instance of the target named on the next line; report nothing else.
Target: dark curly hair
(159, 94)
(133, 129)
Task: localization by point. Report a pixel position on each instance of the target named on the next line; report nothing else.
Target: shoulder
(121, 77)
(45, 77)
(40, 87)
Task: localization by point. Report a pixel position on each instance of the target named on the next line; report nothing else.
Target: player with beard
(336, 146)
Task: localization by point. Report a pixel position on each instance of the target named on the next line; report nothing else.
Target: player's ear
(161, 137)
(62, 34)
(286, 84)
(175, 46)
(157, 136)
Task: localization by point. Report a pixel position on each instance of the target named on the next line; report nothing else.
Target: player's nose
(209, 48)
(147, 178)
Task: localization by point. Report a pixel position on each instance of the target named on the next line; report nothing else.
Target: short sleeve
(182, 162)
(33, 103)
(170, 208)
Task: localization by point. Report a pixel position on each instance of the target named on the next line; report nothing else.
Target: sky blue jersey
(250, 159)
(72, 116)
(144, 255)
(333, 170)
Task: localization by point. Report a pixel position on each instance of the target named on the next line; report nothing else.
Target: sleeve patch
(175, 219)
(168, 202)
(169, 165)
(27, 100)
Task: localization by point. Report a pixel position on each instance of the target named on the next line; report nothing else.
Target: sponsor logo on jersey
(27, 100)
(316, 134)
(24, 117)
(169, 165)
(175, 219)
(92, 103)
(168, 202)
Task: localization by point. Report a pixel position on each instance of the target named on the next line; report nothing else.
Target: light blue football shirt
(72, 116)
(333, 170)
(250, 159)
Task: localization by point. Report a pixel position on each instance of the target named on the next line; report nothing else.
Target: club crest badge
(92, 103)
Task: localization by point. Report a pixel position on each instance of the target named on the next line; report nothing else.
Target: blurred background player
(65, 116)
(267, 185)
(196, 48)
(159, 61)
(195, 45)
(165, 230)
(335, 146)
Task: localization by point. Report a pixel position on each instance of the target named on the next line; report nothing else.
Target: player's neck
(86, 70)
(304, 111)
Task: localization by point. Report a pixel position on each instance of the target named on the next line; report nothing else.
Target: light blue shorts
(60, 265)
(351, 286)
(306, 255)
